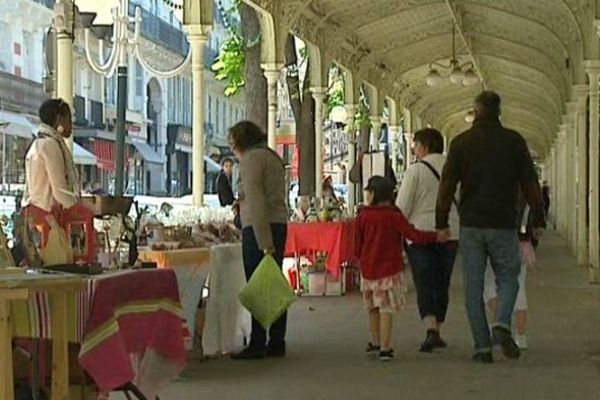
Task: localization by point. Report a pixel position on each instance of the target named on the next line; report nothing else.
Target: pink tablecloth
(135, 331)
(336, 238)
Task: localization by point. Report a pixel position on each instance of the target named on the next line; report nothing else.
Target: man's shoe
(276, 351)
(484, 358)
(503, 337)
(250, 353)
(432, 338)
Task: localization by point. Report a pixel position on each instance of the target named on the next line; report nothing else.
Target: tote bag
(267, 295)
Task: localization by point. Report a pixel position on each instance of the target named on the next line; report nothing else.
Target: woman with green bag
(263, 213)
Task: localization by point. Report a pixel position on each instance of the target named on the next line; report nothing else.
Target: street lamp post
(117, 62)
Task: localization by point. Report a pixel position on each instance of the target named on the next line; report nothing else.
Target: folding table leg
(7, 390)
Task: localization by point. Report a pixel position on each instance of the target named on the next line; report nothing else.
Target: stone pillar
(318, 94)
(198, 41)
(375, 132)
(408, 138)
(553, 186)
(581, 93)
(394, 132)
(272, 73)
(571, 168)
(562, 181)
(63, 24)
(351, 110)
(593, 70)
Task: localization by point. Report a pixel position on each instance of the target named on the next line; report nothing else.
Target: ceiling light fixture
(460, 74)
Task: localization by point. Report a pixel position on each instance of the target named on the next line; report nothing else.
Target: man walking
(492, 164)
(224, 187)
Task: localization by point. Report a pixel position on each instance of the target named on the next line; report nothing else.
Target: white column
(572, 182)
(272, 73)
(408, 139)
(593, 71)
(318, 94)
(198, 41)
(394, 132)
(351, 110)
(553, 187)
(375, 131)
(63, 16)
(581, 93)
(562, 181)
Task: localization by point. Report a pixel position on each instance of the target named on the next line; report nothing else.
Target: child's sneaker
(372, 350)
(521, 341)
(387, 355)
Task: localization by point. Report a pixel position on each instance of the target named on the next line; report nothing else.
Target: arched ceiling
(526, 50)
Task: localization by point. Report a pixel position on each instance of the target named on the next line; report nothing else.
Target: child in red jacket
(380, 228)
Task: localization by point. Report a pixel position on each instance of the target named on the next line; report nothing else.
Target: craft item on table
(132, 232)
(58, 250)
(313, 215)
(6, 259)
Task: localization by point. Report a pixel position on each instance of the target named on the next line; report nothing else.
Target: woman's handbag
(267, 295)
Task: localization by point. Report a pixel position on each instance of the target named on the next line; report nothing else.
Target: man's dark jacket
(224, 189)
(492, 164)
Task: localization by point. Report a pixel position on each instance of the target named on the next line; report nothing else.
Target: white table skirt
(227, 321)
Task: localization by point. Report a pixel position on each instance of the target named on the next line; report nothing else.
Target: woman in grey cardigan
(263, 213)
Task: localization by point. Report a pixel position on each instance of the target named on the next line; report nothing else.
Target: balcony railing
(20, 94)
(159, 31)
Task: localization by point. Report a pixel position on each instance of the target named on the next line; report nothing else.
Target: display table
(129, 324)
(191, 267)
(226, 321)
(335, 238)
(20, 288)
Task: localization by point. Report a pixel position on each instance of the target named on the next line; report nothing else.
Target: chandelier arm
(468, 63)
(439, 64)
(102, 69)
(163, 74)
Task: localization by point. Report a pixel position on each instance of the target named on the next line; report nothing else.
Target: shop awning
(211, 165)
(105, 155)
(16, 124)
(82, 156)
(148, 152)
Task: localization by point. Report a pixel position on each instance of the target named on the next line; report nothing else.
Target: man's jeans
(502, 247)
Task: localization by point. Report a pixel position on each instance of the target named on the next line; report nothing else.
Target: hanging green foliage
(230, 65)
(362, 118)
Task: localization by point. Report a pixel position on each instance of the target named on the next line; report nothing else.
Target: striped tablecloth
(130, 326)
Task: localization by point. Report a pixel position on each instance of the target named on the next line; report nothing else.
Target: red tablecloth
(135, 331)
(336, 238)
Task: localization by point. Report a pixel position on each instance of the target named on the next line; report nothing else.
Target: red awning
(106, 154)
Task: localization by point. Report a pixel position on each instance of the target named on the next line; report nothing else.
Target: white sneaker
(521, 341)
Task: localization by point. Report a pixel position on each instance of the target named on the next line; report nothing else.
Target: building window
(111, 90)
(217, 116)
(139, 79)
(18, 71)
(209, 109)
(17, 49)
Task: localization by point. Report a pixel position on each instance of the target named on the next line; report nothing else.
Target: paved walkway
(327, 336)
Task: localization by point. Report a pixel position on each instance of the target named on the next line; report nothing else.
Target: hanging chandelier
(459, 74)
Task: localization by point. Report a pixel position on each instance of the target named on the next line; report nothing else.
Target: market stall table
(335, 238)
(191, 267)
(129, 324)
(21, 287)
(226, 321)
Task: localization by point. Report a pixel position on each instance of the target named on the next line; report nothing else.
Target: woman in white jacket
(431, 264)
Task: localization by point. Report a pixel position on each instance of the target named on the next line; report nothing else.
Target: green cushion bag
(267, 294)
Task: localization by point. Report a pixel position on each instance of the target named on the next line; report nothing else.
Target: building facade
(159, 110)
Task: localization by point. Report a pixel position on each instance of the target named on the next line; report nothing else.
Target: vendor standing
(262, 193)
(52, 182)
